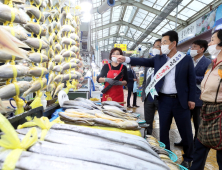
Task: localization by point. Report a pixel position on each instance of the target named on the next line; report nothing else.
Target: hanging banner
(123, 47)
(218, 18)
(206, 22)
(187, 33)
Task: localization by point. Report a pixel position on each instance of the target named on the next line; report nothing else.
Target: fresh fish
(67, 28)
(6, 14)
(30, 161)
(58, 89)
(38, 71)
(58, 48)
(75, 60)
(86, 101)
(59, 58)
(68, 54)
(63, 51)
(113, 109)
(6, 71)
(31, 10)
(51, 53)
(58, 78)
(5, 56)
(36, 28)
(38, 57)
(104, 157)
(51, 78)
(78, 103)
(112, 103)
(69, 77)
(51, 65)
(57, 68)
(36, 43)
(74, 36)
(69, 66)
(41, 3)
(36, 85)
(74, 49)
(68, 41)
(8, 91)
(46, 14)
(17, 33)
(51, 88)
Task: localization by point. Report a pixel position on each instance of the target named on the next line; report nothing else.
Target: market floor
(211, 163)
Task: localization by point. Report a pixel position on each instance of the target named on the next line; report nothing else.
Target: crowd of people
(180, 86)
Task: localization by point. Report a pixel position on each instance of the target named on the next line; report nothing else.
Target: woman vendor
(107, 75)
(209, 133)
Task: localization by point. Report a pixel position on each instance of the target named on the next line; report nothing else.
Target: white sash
(149, 73)
(162, 72)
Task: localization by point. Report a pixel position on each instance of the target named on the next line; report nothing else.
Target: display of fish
(51, 53)
(36, 28)
(38, 71)
(68, 53)
(51, 65)
(58, 58)
(51, 88)
(58, 89)
(57, 68)
(38, 57)
(5, 56)
(32, 10)
(75, 60)
(16, 32)
(67, 29)
(51, 78)
(67, 66)
(7, 71)
(62, 52)
(58, 48)
(45, 40)
(74, 36)
(36, 85)
(58, 78)
(68, 41)
(36, 43)
(89, 102)
(69, 77)
(112, 103)
(7, 12)
(46, 14)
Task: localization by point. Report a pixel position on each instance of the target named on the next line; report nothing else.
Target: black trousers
(149, 112)
(169, 108)
(195, 113)
(130, 90)
(200, 156)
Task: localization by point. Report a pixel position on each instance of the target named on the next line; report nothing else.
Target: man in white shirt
(174, 83)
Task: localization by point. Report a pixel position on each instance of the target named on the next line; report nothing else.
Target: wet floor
(211, 163)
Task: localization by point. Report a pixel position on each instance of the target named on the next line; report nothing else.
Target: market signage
(187, 33)
(123, 47)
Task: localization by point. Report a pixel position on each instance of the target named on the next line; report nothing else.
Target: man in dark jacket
(150, 106)
(201, 63)
(131, 79)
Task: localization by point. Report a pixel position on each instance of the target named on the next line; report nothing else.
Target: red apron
(115, 93)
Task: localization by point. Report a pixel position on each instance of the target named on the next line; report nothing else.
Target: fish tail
(2, 107)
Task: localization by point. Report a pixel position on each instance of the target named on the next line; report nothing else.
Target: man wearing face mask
(201, 63)
(174, 83)
(150, 106)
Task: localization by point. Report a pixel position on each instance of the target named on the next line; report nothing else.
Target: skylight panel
(196, 6)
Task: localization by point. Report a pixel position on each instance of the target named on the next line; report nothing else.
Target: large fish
(86, 101)
(36, 85)
(38, 71)
(30, 161)
(112, 103)
(5, 56)
(58, 89)
(17, 32)
(36, 28)
(57, 68)
(67, 66)
(36, 43)
(59, 58)
(69, 54)
(31, 10)
(7, 12)
(38, 57)
(6, 71)
(78, 103)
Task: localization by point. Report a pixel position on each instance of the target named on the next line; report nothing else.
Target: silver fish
(57, 68)
(63, 51)
(68, 54)
(58, 78)
(74, 49)
(58, 89)
(58, 58)
(38, 57)
(38, 71)
(31, 10)
(75, 60)
(67, 28)
(18, 33)
(68, 41)
(69, 66)
(69, 77)
(51, 78)
(74, 36)
(50, 66)
(36, 43)
(36, 28)
(78, 103)
(6, 71)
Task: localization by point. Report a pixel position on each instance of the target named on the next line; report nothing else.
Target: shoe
(186, 164)
(136, 106)
(179, 143)
(129, 107)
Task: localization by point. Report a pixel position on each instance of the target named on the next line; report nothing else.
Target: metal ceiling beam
(165, 12)
(114, 35)
(126, 24)
(144, 7)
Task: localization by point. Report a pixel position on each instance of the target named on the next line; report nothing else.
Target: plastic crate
(182, 167)
(162, 145)
(172, 155)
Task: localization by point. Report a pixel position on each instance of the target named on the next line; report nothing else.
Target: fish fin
(2, 107)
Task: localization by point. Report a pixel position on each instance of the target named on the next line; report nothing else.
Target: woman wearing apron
(107, 75)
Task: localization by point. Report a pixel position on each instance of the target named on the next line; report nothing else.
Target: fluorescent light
(86, 6)
(86, 17)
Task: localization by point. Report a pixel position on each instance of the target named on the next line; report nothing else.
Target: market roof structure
(128, 21)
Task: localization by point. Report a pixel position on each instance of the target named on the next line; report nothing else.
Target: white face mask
(213, 51)
(155, 52)
(193, 53)
(165, 49)
(114, 59)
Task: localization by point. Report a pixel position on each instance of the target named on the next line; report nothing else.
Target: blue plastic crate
(162, 145)
(172, 155)
(182, 167)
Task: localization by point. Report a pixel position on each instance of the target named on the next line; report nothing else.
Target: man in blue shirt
(175, 87)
